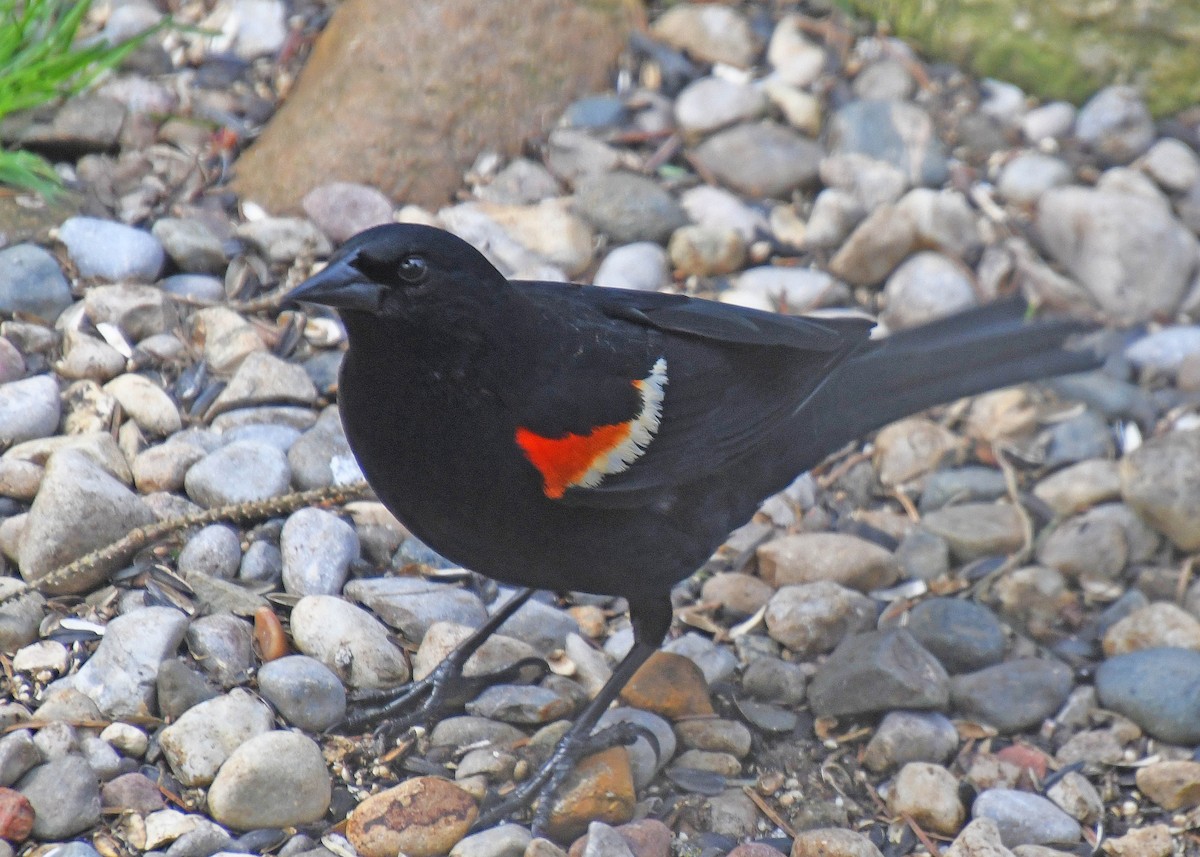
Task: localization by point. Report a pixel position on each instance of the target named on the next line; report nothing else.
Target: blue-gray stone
(964, 635)
(878, 671)
(1024, 818)
(31, 282)
(1158, 689)
(304, 691)
(1015, 695)
(112, 251)
(897, 132)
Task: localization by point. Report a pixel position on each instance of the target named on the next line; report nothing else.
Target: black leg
(444, 687)
(651, 621)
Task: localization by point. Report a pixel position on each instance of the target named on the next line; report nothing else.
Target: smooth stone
(31, 282)
(963, 635)
(641, 266)
(1015, 695)
(1158, 689)
(111, 251)
(29, 409)
(317, 548)
(349, 641)
(305, 692)
(1116, 124)
(242, 472)
(277, 779)
(815, 617)
(223, 644)
(1024, 818)
(628, 207)
(878, 671)
(760, 159)
(198, 743)
(65, 796)
(910, 736)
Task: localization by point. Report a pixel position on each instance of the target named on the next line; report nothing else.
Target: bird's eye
(413, 269)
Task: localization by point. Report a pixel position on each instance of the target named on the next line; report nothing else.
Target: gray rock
(898, 132)
(348, 640)
(75, 490)
(279, 436)
(190, 244)
(1165, 349)
(963, 635)
(520, 704)
(835, 213)
(641, 266)
(945, 221)
(760, 159)
(179, 687)
(12, 364)
(716, 662)
(146, 404)
(711, 103)
(31, 282)
(628, 207)
(1116, 124)
(86, 357)
(814, 617)
(977, 529)
(29, 409)
(1080, 486)
(884, 80)
(65, 796)
(925, 287)
(285, 239)
(878, 671)
(957, 484)
(1024, 818)
(163, 467)
(198, 743)
(1079, 438)
(111, 251)
(197, 287)
(797, 289)
(277, 779)
(542, 626)
(121, 676)
(718, 209)
(343, 209)
(1107, 240)
(506, 840)
(876, 246)
(304, 692)
(18, 755)
(467, 730)
(1090, 546)
(223, 645)
(412, 604)
(317, 548)
(320, 453)
(643, 759)
(238, 473)
(1048, 121)
(1161, 481)
(910, 736)
(1015, 695)
(262, 563)
(1158, 689)
(520, 182)
(1172, 164)
(710, 33)
(773, 680)
(139, 311)
(215, 550)
(1029, 175)
(264, 379)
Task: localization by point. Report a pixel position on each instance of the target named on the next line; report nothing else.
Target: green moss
(1061, 49)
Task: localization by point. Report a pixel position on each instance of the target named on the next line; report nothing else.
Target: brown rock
(669, 685)
(599, 789)
(980, 838)
(755, 849)
(1172, 785)
(833, 842)
(928, 794)
(1152, 841)
(875, 247)
(646, 838)
(1153, 626)
(470, 77)
(421, 817)
(269, 636)
(738, 593)
(16, 816)
(910, 448)
(843, 559)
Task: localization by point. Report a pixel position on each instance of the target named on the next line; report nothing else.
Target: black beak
(339, 285)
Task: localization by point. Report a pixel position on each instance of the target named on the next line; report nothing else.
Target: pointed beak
(339, 285)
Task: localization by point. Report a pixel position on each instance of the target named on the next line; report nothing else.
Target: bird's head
(386, 269)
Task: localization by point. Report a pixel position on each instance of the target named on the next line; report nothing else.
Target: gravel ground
(977, 634)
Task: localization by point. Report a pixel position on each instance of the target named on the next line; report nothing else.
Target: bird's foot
(543, 786)
(394, 711)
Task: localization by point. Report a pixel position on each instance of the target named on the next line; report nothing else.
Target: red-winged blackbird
(570, 437)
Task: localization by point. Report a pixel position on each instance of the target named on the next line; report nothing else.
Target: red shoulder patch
(564, 461)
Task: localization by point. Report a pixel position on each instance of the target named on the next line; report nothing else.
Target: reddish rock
(599, 789)
(421, 817)
(403, 96)
(16, 815)
(669, 685)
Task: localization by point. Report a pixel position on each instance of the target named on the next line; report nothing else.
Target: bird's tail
(964, 354)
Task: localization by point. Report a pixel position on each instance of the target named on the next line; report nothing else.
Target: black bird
(570, 437)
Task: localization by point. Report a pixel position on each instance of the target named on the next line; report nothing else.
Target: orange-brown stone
(670, 685)
(599, 789)
(403, 96)
(421, 817)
